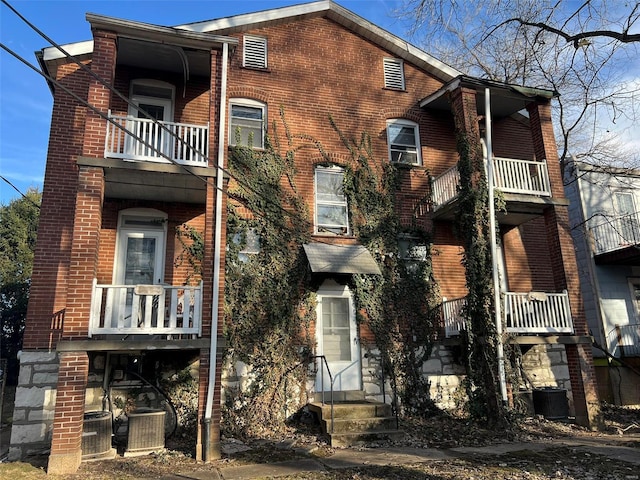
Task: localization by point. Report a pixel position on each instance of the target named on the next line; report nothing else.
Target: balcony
(146, 310)
(524, 313)
(525, 183)
(616, 240)
(180, 143)
(624, 340)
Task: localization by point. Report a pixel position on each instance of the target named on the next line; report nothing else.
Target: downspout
(216, 257)
(494, 252)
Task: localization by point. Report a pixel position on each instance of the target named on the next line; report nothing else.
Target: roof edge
(150, 32)
(340, 15)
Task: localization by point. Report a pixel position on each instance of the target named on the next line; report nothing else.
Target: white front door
(156, 100)
(140, 254)
(337, 339)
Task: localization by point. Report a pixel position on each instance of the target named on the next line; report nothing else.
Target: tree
(586, 51)
(18, 230)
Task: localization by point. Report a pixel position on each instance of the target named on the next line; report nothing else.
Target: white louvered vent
(393, 73)
(255, 52)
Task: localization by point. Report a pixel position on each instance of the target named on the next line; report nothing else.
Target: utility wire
(103, 82)
(17, 190)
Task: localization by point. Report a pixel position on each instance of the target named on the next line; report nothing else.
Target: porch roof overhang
(506, 99)
(145, 46)
(325, 258)
(151, 181)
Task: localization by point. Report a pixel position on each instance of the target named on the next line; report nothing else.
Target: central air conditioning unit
(96, 436)
(146, 431)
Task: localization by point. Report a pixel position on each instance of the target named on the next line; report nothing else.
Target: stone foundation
(34, 405)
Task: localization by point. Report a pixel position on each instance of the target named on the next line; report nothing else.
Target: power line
(22, 194)
(107, 85)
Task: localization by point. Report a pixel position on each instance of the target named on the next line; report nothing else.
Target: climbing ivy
(400, 307)
(480, 335)
(270, 304)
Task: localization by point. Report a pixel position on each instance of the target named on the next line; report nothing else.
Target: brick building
(111, 290)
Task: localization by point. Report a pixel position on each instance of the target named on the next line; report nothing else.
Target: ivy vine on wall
(270, 300)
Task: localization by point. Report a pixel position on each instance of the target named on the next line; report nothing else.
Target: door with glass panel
(337, 340)
(140, 262)
(148, 139)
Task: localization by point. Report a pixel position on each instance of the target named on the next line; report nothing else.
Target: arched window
(247, 122)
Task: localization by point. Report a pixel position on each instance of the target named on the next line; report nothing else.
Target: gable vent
(393, 73)
(255, 52)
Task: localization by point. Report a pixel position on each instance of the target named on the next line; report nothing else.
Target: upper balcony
(529, 313)
(616, 240)
(142, 139)
(524, 183)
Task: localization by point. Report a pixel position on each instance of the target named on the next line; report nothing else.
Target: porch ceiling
(152, 181)
(519, 208)
(158, 56)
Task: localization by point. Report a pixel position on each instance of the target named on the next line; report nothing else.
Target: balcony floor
(150, 180)
(627, 255)
(520, 208)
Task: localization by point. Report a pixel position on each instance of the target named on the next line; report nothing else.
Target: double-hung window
(331, 201)
(247, 123)
(403, 138)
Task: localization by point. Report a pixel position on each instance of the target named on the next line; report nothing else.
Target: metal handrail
(625, 339)
(331, 379)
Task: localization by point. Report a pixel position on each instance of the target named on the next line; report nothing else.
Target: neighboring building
(606, 229)
(110, 294)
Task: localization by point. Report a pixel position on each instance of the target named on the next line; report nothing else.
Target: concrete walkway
(355, 457)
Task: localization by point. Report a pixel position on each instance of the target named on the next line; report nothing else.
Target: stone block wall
(547, 366)
(35, 403)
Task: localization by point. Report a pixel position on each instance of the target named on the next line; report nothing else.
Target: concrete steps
(356, 421)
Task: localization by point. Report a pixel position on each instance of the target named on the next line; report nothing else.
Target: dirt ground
(552, 461)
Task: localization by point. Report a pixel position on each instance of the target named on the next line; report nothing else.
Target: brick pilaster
(103, 64)
(66, 444)
(85, 251)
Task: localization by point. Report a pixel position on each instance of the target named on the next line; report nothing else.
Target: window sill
(408, 166)
(257, 149)
(400, 90)
(257, 69)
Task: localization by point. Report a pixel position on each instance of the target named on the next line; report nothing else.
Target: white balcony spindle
(143, 310)
(176, 142)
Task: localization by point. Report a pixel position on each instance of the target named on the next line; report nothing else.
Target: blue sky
(25, 99)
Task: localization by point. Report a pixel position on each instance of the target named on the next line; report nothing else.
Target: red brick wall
(51, 263)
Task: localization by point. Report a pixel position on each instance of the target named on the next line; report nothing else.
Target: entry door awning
(324, 258)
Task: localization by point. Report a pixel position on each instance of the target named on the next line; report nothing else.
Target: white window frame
(327, 228)
(397, 148)
(250, 238)
(393, 73)
(254, 52)
(233, 120)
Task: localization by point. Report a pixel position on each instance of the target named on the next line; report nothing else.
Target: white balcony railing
(146, 310)
(524, 313)
(624, 340)
(537, 312)
(452, 316)
(615, 233)
(510, 175)
(182, 143)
